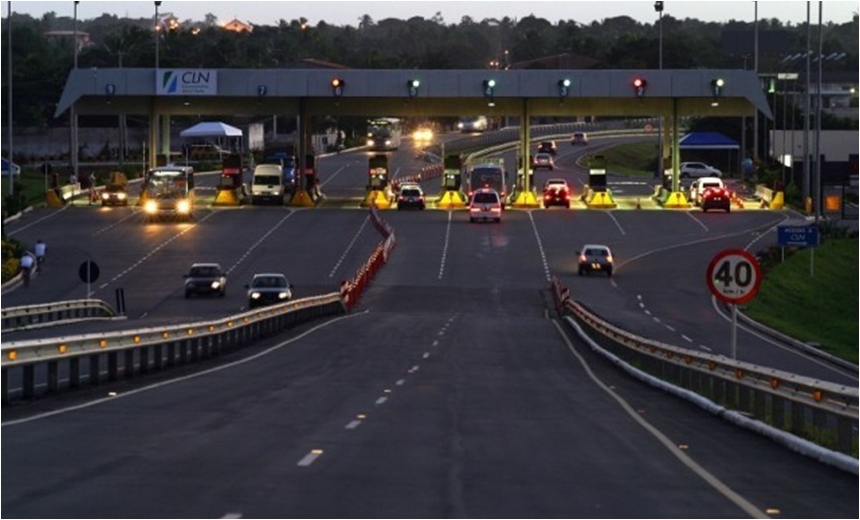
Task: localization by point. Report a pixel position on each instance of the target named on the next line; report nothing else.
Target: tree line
(41, 63)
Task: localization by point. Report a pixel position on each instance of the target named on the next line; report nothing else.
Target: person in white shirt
(40, 249)
(26, 267)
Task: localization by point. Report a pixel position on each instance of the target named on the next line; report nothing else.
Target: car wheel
(609, 272)
(497, 220)
(704, 209)
(581, 271)
(222, 293)
(471, 220)
(729, 209)
(188, 294)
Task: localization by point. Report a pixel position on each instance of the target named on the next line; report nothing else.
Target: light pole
(157, 28)
(755, 68)
(11, 155)
(73, 114)
(661, 169)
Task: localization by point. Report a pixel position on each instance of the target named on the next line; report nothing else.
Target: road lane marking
(349, 247)
(353, 424)
(400, 382)
(685, 459)
(540, 248)
(381, 400)
(445, 246)
(617, 224)
(309, 459)
(195, 375)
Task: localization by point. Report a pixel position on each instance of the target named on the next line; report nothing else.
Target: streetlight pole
(11, 155)
(658, 6)
(755, 68)
(73, 114)
(157, 27)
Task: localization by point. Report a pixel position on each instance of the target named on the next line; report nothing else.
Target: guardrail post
(5, 379)
(144, 360)
(171, 354)
(53, 377)
(28, 384)
(95, 370)
(128, 365)
(75, 372)
(113, 366)
(158, 357)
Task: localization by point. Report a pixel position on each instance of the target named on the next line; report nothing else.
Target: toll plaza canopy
(211, 129)
(393, 93)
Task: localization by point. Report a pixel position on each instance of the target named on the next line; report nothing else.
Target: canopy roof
(707, 141)
(211, 129)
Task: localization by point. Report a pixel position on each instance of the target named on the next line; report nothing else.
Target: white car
(695, 170)
(486, 204)
(595, 257)
(700, 185)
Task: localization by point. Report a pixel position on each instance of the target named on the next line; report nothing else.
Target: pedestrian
(92, 185)
(40, 249)
(26, 268)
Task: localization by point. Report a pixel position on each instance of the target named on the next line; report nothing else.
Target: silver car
(595, 257)
(268, 289)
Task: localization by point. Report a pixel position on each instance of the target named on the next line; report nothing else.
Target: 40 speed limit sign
(734, 276)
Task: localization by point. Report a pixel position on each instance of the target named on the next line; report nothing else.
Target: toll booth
(232, 168)
(377, 172)
(310, 172)
(597, 173)
(521, 175)
(452, 176)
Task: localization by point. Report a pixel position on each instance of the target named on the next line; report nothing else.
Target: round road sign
(88, 271)
(734, 276)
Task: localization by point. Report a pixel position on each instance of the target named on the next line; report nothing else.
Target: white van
(267, 185)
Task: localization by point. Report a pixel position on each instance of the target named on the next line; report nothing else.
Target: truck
(267, 184)
(285, 157)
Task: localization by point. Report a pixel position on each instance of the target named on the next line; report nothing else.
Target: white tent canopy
(211, 129)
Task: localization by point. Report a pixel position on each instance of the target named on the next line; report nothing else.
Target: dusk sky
(348, 12)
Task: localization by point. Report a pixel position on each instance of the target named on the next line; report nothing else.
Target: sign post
(734, 277)
(799, 236)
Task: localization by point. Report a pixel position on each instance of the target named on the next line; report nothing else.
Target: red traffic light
(639, 85)
(337, 85)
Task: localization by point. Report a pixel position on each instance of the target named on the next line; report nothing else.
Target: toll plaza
(666, 94)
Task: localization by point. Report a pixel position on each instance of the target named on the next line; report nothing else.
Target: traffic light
(337, 86)
(639, 85)
(489, 90)
(717, 85)
(412, 86)
(563, 88)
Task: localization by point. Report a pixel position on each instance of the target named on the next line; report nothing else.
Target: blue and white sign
(186, 82)
(797, 236)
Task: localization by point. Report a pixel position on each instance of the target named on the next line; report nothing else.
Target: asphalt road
(451, 391)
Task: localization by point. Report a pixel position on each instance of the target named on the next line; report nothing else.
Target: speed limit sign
(734, 276)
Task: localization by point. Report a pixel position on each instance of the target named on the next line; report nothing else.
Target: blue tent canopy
(16, 170)
(707, 141)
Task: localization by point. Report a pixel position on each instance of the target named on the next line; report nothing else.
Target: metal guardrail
(822, 412)
(85, 356)
(48, 314)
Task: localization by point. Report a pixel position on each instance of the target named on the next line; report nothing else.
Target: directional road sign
(797, 236)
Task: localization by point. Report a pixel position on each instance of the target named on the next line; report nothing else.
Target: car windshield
(267, 179)
(711, 185)
(486, 198)
(269, 281)
(204, 271)
(412, 192)
(596, 252)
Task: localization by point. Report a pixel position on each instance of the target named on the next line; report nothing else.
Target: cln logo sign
(186, 82)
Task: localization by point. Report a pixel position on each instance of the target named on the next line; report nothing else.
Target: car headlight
(216, 284)
(283, 295)
(183, 206)
(121, 195)
(255, 295)
(151, 206)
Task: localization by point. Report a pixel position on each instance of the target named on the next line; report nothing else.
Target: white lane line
(232, 515)
(540, 248)
(670, 327)
(656, 319)
(349, 247)
(260, 241)
(445, 247)
(617, 224)
(441, 333)
(413, 369)
(699, 222)
(381, 400)
(309, 459)
(332, 176)
(662, 438)
(426, 355)
(706, 349)
(686, 338)
(353, 424)
(647, 312)
(436, 343)
(400, 382)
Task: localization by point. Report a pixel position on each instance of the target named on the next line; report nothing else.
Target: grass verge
(821, 308)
